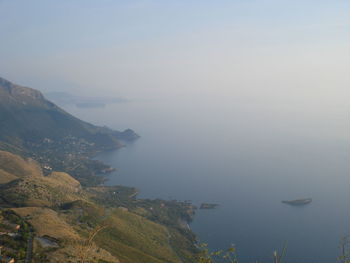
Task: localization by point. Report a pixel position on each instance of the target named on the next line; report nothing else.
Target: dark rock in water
(208, 206)
(304, 201)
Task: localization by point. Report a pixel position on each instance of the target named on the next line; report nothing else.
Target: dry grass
(63, 179)
(51, 190)
(34, 189)
(6, 177)
(17, 166)
(136, 239)
(47, 222)
(69, 254)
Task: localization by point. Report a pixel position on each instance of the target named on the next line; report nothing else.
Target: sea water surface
(246, 156)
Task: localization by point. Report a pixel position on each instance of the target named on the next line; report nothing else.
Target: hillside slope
(65, 214)
(34, 127)
(26, 116)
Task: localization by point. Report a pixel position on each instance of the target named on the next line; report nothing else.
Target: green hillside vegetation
(62, 211)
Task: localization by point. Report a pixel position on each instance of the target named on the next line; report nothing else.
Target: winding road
(29, 252)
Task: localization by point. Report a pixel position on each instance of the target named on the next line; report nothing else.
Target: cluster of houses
(7, 228)
(11, 230)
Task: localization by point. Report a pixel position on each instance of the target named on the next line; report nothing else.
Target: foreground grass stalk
(87, 244)
(343, 258)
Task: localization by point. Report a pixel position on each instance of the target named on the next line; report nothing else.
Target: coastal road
(29, 252)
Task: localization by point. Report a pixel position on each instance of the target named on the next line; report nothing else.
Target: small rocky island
(298, 202)
(208, 206)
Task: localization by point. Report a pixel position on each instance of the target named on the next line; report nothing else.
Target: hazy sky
(153, 48)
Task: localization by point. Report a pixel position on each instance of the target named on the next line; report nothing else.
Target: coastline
(175, 215)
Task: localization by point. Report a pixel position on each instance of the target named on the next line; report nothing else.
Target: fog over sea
(247, 155)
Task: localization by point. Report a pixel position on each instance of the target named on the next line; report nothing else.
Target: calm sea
(246, 156)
